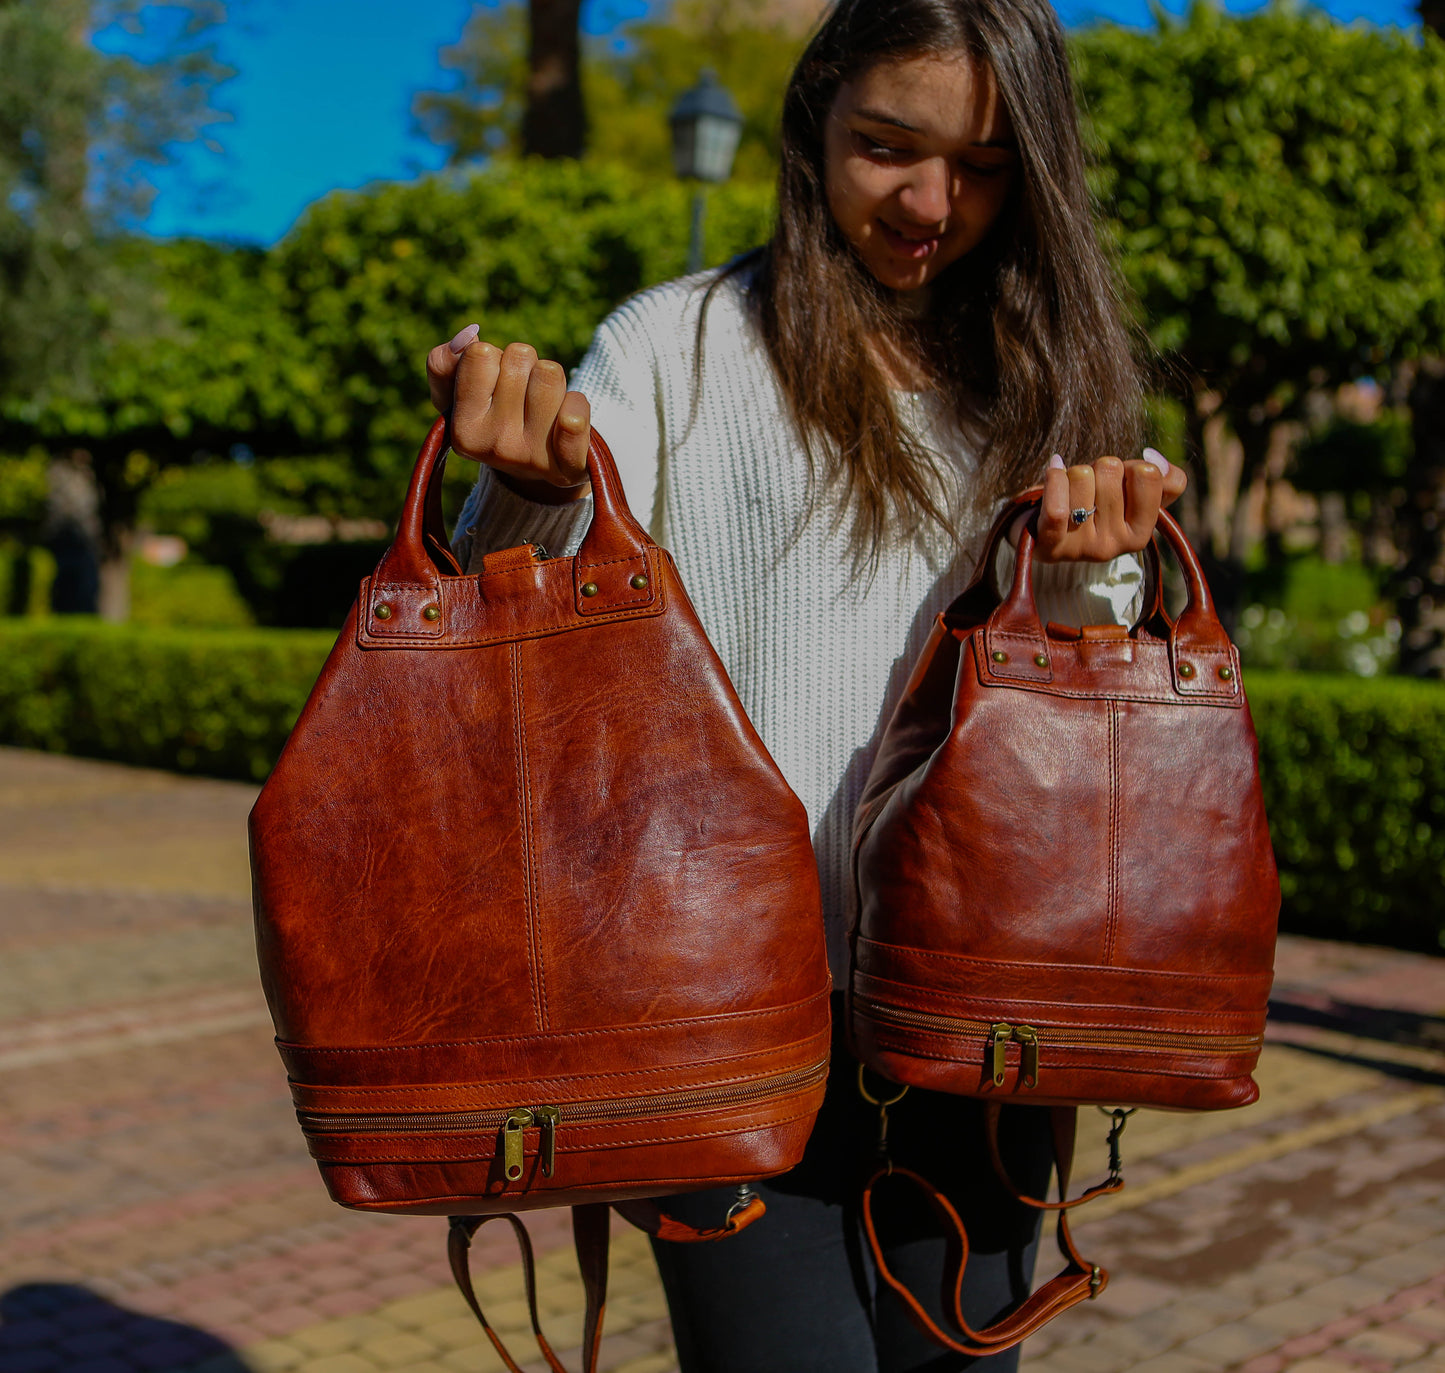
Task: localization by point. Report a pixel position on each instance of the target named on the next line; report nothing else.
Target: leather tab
(400, 611)
(648, 1217)
(509, 559)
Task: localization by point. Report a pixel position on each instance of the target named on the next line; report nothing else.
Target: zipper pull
(1028, 1039)
(517, 1121)
(548, 1118)
(539, 553)
(1000, 1034)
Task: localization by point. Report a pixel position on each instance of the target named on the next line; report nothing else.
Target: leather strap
(419, 555)
(1078, 1280)
(591, 1237)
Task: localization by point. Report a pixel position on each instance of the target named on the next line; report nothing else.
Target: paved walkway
(158, 1211)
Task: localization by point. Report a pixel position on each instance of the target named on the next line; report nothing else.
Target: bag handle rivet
(1186, 670)
(639, 582)
(432, 612)
(382, 612)
(1041, 660)
(999, 656)
(589, 588)
(1226, 674)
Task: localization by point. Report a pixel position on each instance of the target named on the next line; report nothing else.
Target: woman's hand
(512, 410)
(1124, 498)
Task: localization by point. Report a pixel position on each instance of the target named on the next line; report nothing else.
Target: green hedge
(219, 702)
(1354, 769)
(1354, 782)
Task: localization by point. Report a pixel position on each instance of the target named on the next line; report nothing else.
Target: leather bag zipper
(999, 1034)
(546, 1119)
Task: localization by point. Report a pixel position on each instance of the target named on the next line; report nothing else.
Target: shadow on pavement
(60, 1328)
(1410, 1030)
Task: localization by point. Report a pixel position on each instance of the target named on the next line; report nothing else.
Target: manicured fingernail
(1158, 459)
(466, 337)
(1056, 461)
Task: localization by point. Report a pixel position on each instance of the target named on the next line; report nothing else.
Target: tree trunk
(554, 124)
(1432, 15)
(1420, 584)
(115, 574)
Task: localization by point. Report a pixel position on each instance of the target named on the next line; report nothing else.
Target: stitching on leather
(540, 1081)
(529, 853)
(554, 1036)
(533, 1085)
(1225, 1020)
(587, 1148)
(903, 1047)
(1081, 967)
(1111, 926)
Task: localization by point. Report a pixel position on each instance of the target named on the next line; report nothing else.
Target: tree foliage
(79, 126)
(630, 85)
(1275, 185)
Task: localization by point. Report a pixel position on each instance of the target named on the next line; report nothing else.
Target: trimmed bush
(1354, 785)
(1354, 770)
(219, 702)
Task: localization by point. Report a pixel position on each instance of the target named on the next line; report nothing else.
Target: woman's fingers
(571, 435)
(1124, 498)
(441, 367)
(474, 387)
(1143, 491)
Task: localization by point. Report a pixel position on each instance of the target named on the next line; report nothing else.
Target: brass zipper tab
(1000, 1034)
(1028, 1039)
(548, 1118)
(516, 1122)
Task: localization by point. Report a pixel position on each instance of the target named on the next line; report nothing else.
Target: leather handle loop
(1063, 1122)
(459, 1243)
(648, 1217)
(1197, 631)
(1078, 1281)
(591, 1235)
(419, 554)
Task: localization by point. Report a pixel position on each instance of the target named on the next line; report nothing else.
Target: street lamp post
(706, 126)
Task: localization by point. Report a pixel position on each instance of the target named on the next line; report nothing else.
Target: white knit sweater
(718, 474)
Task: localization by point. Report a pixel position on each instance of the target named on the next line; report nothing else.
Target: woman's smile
(909, 243)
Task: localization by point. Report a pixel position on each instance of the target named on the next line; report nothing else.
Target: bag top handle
(419, 554)
(1199, 648)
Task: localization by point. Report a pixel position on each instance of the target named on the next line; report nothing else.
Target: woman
(820, 434)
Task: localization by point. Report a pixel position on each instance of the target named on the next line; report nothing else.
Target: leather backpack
(1066, 893)
(537, 916)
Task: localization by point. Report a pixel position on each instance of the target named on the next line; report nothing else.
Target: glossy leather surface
(1064, 831)
(524, 848)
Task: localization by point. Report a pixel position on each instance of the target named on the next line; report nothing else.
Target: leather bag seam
(534, 1081)
(554, 1035)
(618, 1144)
(529, 858)
(1067, 967)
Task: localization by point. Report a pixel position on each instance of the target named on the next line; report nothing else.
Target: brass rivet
(999, 656)
(589, 588)
(639, 582)
(432, 612)
(1041, 660)
(383, 612)
(1186, 670)
(1226, 674)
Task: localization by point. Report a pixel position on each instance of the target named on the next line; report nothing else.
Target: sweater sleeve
(619, 378)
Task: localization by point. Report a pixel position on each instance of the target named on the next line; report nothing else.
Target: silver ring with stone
(1079, 515)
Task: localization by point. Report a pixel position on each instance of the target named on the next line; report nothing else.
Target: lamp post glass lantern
(706, 127)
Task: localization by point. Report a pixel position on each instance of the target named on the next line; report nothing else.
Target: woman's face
(918, 161)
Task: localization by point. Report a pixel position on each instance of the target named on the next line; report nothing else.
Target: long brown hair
(1024, 340)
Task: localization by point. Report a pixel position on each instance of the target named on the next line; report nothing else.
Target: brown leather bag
(1066, 891)
(537, 915)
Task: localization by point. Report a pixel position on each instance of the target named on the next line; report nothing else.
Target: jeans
(797, 1291)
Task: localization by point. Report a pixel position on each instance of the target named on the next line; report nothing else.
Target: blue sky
(323, 94)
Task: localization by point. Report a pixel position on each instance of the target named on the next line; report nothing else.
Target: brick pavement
(158, 1211)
